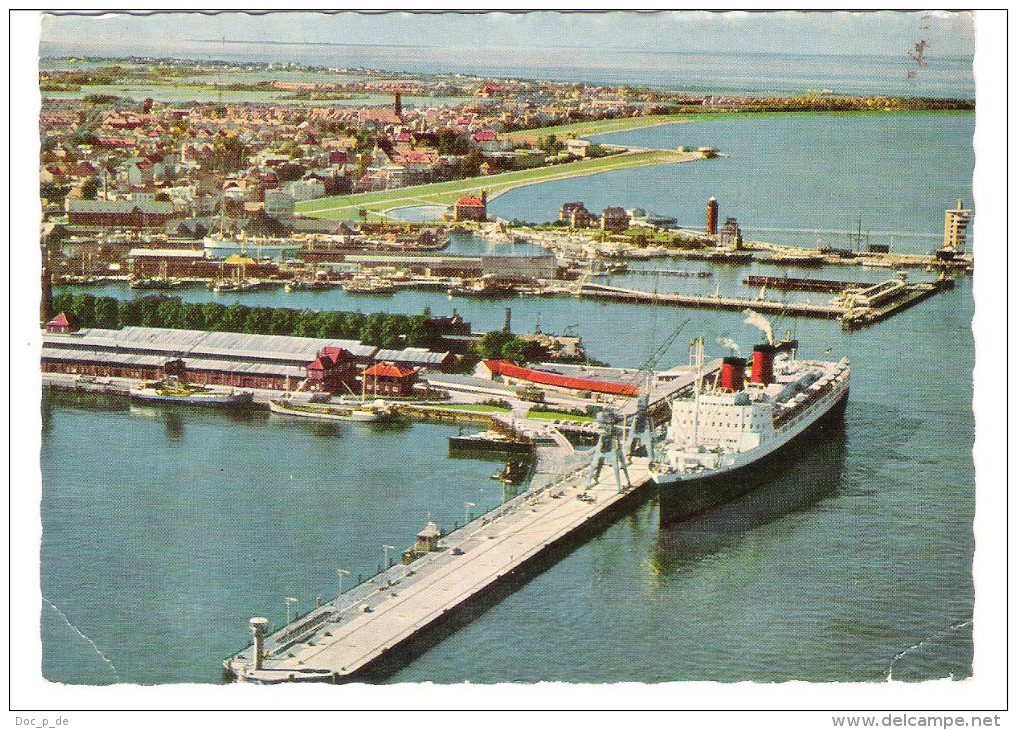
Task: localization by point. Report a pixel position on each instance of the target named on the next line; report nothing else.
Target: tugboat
(488, 442)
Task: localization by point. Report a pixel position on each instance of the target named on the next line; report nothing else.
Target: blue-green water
(788, 176)
(165, 530)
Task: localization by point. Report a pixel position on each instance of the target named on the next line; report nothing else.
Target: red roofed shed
(512, 371)
(386, 378)
(469, 208)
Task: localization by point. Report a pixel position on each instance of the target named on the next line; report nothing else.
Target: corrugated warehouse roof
(234, 351)
(412, 355)
(250, 368)
(117, 358)
(156, 338)
(468, 382)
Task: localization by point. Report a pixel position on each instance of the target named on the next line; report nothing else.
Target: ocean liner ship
(728, 430)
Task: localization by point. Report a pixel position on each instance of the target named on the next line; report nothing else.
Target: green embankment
(601, 126)
(348, 207)
(467, 408)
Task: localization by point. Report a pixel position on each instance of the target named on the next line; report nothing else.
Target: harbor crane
(616, 444)
(640, 432)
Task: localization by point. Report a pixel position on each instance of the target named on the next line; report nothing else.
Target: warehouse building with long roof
(220, 358)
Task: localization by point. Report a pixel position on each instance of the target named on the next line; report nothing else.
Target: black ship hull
(683, 498)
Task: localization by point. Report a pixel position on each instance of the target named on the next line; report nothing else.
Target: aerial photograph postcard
(509, 347)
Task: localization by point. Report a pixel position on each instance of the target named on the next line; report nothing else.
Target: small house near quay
(469, 208)
(389, 379)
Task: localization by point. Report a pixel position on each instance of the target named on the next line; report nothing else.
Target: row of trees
(379, 329)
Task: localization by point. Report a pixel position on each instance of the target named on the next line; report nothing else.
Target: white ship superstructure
(730, 423)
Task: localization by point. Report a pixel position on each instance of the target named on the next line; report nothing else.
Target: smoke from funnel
(759, 322)
(729, 344)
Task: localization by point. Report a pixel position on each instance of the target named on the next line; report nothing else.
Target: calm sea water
(165, 530)
(713, 73)
(789, 179)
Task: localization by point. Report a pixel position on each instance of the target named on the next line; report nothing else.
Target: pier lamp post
(386, 548)
(289, 608)
(340, 572)
(466, 510)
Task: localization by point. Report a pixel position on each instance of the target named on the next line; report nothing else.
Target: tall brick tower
(712, 214)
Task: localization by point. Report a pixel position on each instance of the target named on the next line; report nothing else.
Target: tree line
(379, 329)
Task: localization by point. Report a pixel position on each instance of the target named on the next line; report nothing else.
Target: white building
(279, 203)
(305, 189)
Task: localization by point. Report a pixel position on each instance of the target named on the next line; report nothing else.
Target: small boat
(356, 412)
(157, 283)
(172, 390)
(306, 285)
(369, 286)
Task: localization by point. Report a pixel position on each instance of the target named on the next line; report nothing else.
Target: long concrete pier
(362, 628)
(870, 305)
(619, 294)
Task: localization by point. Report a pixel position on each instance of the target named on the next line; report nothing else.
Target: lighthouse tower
(712, 214)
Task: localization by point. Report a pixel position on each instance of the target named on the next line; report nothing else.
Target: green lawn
(601, 126)
(557, 416)
(469, 407)
(347, 207)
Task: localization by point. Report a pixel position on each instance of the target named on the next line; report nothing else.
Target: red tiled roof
(59, 321)
(484, 136)
(469, 202)
(389, 370)
(336, 354)
(511, 370)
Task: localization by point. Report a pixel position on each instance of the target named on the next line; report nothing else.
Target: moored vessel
(357, 412)
(156, 283)
(731, 426)
(488, 442)
(369, 285)
(172, 390)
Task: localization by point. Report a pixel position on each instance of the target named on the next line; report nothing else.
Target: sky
(839, 33)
